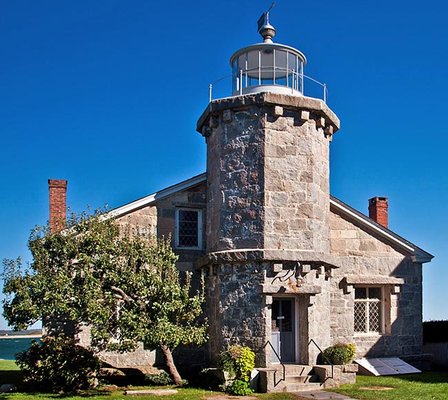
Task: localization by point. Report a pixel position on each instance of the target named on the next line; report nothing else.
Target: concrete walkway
(321, 395)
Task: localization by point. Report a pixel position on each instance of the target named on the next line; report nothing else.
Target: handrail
(326, 359)
(279, 359)
(292, 72)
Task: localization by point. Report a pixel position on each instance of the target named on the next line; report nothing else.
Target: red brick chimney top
(58, 207)
(379, 210)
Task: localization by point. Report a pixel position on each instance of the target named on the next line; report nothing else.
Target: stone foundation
(141, 359)
(335, 375)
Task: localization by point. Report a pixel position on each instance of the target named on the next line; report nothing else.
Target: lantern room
(267, 66)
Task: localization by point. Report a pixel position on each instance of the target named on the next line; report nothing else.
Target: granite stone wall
(141, 358)
(366, 260)
(268, 173)
(235, 179)
(236, 307)
(296, 182)
(143, 221)
(159, 219)
(239, 306)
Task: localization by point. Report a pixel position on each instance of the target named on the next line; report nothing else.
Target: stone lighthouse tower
(268, 203)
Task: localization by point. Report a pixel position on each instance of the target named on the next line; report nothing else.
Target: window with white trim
(368, 310)
(188, 229)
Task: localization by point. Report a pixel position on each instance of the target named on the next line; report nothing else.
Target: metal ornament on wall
(294, 272)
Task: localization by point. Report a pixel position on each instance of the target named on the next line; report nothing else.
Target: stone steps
(301, 387)
(299, 378)
(302, 379)
(295, 369)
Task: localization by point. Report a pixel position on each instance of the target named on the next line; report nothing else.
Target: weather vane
(264, 19)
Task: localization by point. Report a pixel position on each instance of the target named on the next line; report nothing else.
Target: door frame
(296, 315)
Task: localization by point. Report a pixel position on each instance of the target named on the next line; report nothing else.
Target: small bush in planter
(238, 362)
(340, 353)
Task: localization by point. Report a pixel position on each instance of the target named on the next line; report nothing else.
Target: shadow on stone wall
(404, 335)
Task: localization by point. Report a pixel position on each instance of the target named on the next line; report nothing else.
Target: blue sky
(106, 94)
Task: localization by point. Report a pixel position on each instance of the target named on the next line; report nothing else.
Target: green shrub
(239, 388)
(162, 379)
(340, 353)
(58, 364)
(238, 361)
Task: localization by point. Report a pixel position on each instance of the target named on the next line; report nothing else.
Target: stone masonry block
(396, 289)
(304, 115)
(213, 121)
(306, 268)
(278, 111)
(329, 130)
(227, 116)
(206, 131)
(277, 267)
(320, 122)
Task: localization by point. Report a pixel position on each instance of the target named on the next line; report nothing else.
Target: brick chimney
(379, 210)
(58, 207)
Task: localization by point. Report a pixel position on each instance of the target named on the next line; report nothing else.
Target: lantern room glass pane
(252, 64)
(267, 67)
(292, 62)
(280, 63)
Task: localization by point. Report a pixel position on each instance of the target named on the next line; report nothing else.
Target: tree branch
(122, 294)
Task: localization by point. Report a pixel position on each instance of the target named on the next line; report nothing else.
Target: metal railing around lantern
(246, 83)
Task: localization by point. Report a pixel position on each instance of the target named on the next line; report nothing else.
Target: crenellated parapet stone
(295, 278)
(220, 110)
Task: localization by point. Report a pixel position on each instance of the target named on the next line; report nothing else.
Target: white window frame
(368, 301)
(176, 236)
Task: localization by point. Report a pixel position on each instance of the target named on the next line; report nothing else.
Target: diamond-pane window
(360, 317)
(368, 310)
(188, 228)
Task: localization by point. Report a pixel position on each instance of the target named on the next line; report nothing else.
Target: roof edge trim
(418, 255)
(147, 200)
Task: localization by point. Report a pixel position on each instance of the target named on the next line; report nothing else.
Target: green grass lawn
(425, 386)
(7, 365)
(183, 394)
(10, 373)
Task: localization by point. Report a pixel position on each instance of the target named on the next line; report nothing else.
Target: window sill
(368, 335)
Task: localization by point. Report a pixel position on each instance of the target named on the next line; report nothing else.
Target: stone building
(289, 268)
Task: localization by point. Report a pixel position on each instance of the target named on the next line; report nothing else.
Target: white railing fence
(304, 84)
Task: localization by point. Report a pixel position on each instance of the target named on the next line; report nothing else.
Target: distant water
(9, 347)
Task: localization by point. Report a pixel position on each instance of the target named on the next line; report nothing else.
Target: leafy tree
(125, 286)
